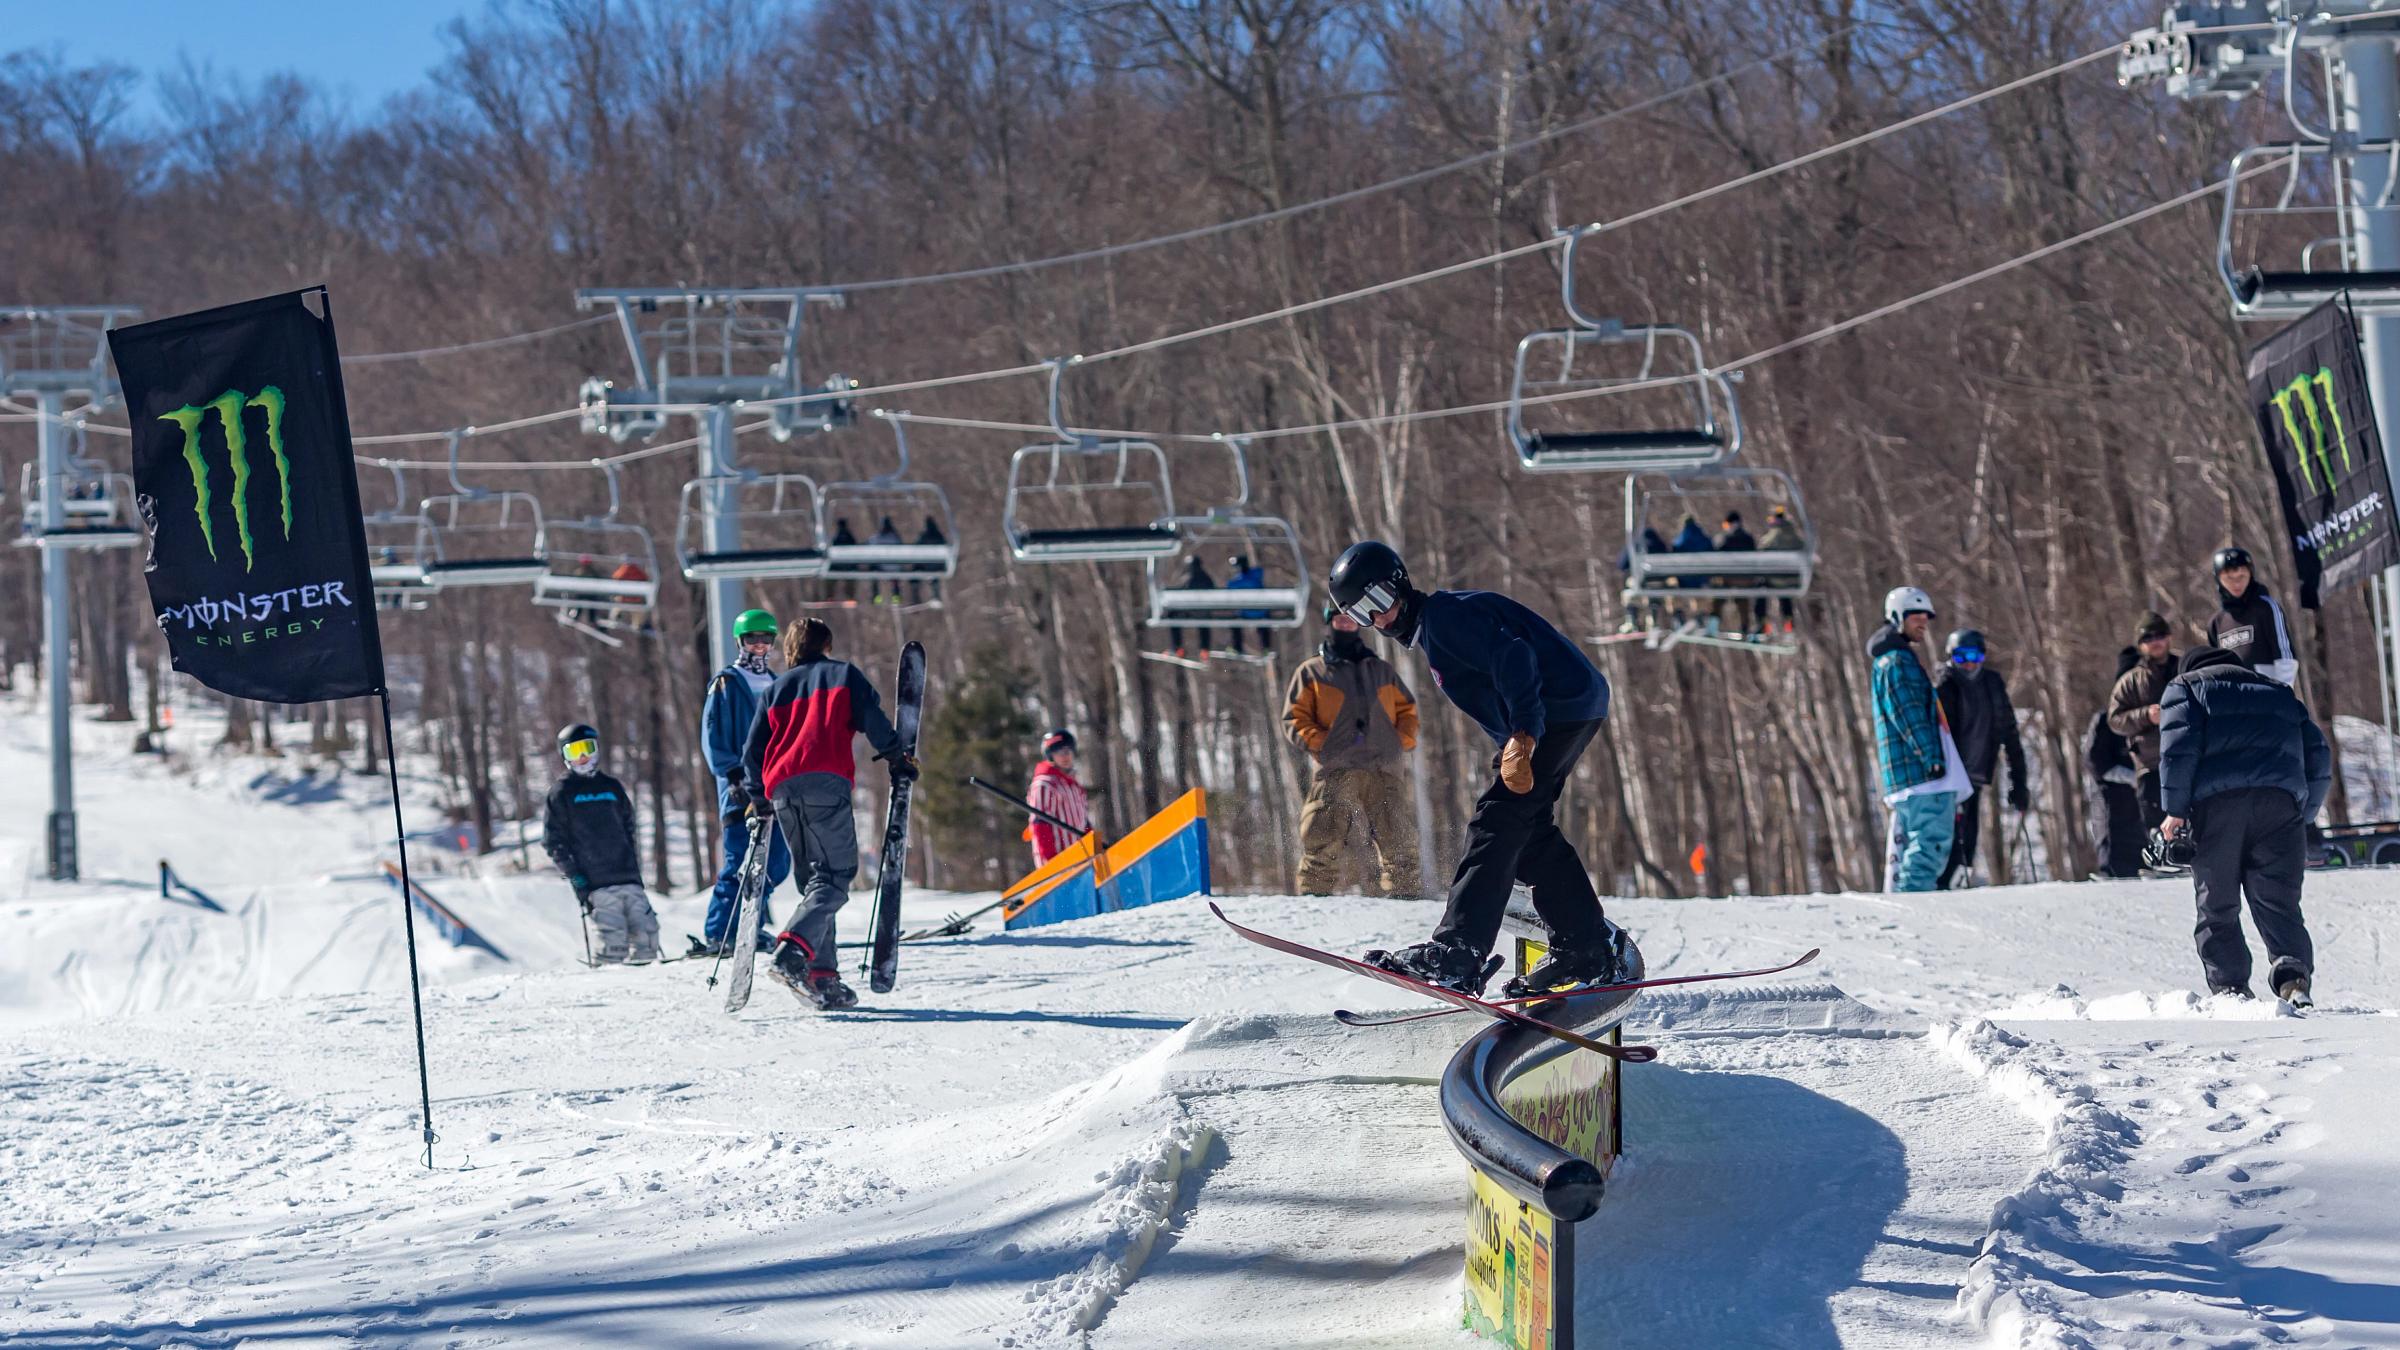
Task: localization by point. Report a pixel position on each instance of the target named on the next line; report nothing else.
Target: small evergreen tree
(981, 727)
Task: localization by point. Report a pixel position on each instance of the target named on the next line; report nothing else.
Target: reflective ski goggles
(1377, 599)
(578, 751)
(1966, 656)
(762, 639)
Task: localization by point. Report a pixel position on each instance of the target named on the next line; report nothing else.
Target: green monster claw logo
(2303, 391)
(228, 408)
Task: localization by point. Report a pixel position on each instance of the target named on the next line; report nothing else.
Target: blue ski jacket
(1505, 666)
(724, 728)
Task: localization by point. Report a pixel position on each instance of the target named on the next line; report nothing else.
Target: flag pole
(408, 914)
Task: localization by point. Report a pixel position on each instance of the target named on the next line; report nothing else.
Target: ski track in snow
(1998, 1117)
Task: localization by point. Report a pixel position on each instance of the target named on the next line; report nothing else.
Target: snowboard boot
(1442, 963)
(1568, 967)
(2291, 985)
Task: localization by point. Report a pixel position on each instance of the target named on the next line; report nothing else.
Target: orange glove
(1516, 764)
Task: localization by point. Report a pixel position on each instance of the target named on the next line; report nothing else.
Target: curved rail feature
(1540, 1124)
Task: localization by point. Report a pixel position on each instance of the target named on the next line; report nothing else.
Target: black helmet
(577, 731)
(579, 746)
(1367, 579)
(1058, 739)
(2232, 555)
(1969, 638)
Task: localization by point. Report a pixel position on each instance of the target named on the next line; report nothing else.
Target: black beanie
(2153, 626)
(2201, 658)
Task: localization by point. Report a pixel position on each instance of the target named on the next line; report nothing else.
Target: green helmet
(753, 621)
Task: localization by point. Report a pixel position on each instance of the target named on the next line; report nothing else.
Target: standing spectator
(1348, 708)
(1055, 791)
(1732, 538)
(2241, 763)
(2110, 762)
(2249, 623)
(1782, 536)
(724, 725)
(798, 763)
(587, 829)
(1922, 776)
(1983, 723)
(2133, 709)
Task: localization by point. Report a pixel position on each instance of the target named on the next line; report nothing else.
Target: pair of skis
(883, 957)
(1506, 1009)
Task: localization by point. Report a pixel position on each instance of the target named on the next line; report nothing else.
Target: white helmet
(1904, 601)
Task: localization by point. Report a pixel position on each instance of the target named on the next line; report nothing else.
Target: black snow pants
(1514, 838)
(1965, 832)
(2250, 840)
(2123, 836)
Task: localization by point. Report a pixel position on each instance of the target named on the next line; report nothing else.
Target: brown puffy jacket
(2137, 692)
(1352, 714)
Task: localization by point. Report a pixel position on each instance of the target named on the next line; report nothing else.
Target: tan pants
(1337, 800)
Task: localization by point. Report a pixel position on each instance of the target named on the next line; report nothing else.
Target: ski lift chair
(1763, 574)
(1546, 366)
(602, 571)
(393, 565)
(1228, 530)
(775, 517)
(916, 558)
(96, 507)
(2282, 295)
(1134, 538)
(476, 537)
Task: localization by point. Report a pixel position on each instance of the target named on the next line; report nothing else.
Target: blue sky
(357, 50)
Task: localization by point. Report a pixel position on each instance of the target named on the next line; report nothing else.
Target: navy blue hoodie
(1505, 666)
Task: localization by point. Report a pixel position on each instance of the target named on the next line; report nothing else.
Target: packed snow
(1999, 1117)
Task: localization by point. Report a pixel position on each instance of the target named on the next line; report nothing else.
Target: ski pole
(584, 917)
(1029, 808)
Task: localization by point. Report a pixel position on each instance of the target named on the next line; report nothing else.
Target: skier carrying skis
(724, 727)
(587, 829)
(1541, 700)
(797, 763)
(2249, 623)
(1922, 775)
(1055, 791)
(2243, 765)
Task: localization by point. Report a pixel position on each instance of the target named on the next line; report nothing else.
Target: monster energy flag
(241, 460)
(2310, 389)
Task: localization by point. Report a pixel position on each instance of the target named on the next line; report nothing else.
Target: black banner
(241, 462)
(2309, 386)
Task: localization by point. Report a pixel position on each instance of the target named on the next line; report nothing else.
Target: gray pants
(2250, 840)
(814, 811)
(624, 918)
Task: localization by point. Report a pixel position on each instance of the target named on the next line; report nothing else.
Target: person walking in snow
(1541, 700)
(2248, 622)
(2109, 760)
(2133, 709)
(1983, 724)
(2244, 769)
(1923, 777)
(1353, 715)
(725, 718)
(1054, 791)
(587, 829)
(798, 763)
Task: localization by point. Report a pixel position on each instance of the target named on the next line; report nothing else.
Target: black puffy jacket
(587, 829)
(2226, 726)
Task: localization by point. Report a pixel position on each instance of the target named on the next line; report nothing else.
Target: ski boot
(1441, 963)
(2291, 985)
(702, 947)
(1569, 967)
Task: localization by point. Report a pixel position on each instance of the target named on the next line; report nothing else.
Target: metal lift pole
(2370, 78)
(60, 669)
(721, 531)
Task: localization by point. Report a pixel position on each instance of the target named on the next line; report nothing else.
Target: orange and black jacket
(1350, 713)
(805, 722)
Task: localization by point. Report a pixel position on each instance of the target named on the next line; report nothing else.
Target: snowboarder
(2133, 709)
(1541, 700)
(725, 718)
(2243, 767)
(1055, 791)
(1983, 723)
(587, 829)
(1349, 709)
(1922, 775)
(2109, 760)
(2248, 622)
(797, 763)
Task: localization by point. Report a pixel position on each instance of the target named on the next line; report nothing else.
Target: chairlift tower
(47, 354)
(2360, 58)
(708, 353)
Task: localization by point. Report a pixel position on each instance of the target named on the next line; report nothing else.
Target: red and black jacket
(805, 722)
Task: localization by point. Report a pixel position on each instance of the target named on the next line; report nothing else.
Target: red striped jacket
(1055, 790)
(805, 722)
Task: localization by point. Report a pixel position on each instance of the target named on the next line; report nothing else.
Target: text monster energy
(228, 408)
(2303, 392)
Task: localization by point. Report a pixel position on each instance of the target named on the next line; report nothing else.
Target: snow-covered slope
(1989, 1117)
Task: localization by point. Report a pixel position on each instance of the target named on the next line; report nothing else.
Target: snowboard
(883, 958)
(752, 895)
(1631, 1054)
(1585, 991)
